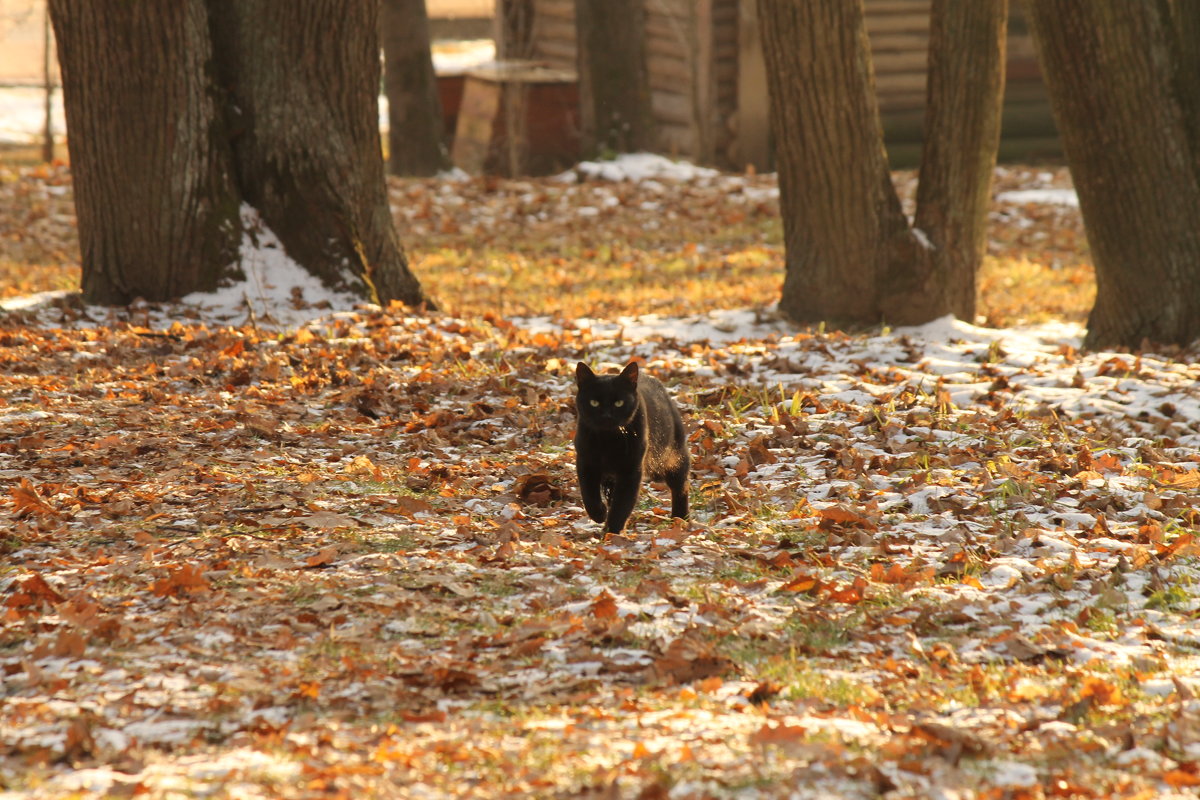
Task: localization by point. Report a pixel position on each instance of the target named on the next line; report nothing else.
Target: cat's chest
(612, 449)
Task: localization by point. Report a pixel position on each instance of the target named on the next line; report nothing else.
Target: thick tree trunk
(1185, 22)
(965, 93)
(416, 136)
(179, 112)
(154, 193)
(842, 220)
(304, 88)
(1109, 69)
(614, 89)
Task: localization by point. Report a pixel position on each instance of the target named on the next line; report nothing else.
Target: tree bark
(179, 112)
(964, 98)
(1109, 68)
(842, 221)
(304, 88)
(1185, 22)
(614, 89)
(416, 135)
(155, 199)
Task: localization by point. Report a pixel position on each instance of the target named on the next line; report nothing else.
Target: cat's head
(608, 401)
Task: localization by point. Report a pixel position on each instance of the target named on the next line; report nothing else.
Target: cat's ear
(583, 374)
(630, 373)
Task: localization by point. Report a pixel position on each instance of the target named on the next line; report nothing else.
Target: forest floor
(346, 557)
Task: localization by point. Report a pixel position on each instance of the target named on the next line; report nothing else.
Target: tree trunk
(964, 97)
(842, 221)
(304, 88)
(154, 192)
(1185, 22)
(614, 89)
(1109, 68)
(416, 136)
(179, 112)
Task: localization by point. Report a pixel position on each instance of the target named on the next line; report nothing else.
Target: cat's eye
(618, 403)
(595, 403)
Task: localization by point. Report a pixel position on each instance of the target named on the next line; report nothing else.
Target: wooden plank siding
(708, 90)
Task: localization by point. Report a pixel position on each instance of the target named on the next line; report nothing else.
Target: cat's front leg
(589, 489)
(624, 498)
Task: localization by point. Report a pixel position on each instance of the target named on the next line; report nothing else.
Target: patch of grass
(1016, 291)
(1172, 598)
(821, 634)
(803, 679)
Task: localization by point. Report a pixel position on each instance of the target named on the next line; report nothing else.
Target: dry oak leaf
(26, 500)
(536, 488)
(779, 734)
(31, 592)
(183, 579)
(840, 516)
(803, 582)
(326, 519)
(955, 739)
(1186, 775)
(323, 557)
(604, 606)
(900, 575)
(688, 658)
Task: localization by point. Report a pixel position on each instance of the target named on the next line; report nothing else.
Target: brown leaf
(69, 644)
(1186, 775)
(603, 606)
(758, 454)
(326, 519)
(33, 591)
(779, 734)
(321, 558)
(841, 516)
(958, 738)
(803, 582)
(26, 500)
(183, 579)
(689, 658)
(536, 488)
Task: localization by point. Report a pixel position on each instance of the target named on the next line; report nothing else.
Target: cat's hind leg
(677, 482)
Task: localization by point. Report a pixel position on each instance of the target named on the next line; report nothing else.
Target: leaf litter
(348, 559)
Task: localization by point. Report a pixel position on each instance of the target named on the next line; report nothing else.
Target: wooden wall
(899, 33)
(709, 93)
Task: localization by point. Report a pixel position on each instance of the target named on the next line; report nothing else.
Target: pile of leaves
(349, 560)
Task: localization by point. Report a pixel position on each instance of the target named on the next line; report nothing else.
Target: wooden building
(708, 82)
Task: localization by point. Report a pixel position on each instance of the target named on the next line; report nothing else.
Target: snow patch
(276, 290)
(639, 167)
(1052, 197)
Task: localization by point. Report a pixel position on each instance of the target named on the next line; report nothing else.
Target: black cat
(628, 428)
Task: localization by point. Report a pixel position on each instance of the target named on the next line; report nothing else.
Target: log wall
(708, 92)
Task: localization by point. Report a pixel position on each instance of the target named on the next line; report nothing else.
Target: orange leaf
(604, 606)
(325, 555)
(1102, 691)
(802, 582)
(33, 591)
(851, 595)
(778, 734)
(1179, 778)
(841, 515)
(183, 579)
(26, 500)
